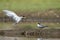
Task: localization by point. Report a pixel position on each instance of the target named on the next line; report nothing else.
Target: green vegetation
(28, 25)
(30, 5)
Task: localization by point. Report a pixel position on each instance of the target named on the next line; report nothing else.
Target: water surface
(25, 38)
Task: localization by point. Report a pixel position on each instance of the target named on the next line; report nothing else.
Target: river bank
(44, 33)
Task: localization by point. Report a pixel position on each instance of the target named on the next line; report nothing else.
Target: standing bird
(41, 26)
(12, 15)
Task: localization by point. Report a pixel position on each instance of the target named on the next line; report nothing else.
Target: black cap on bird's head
(38, 23)
(23, 16)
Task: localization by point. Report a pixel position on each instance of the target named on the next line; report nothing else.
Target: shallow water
(24, 38)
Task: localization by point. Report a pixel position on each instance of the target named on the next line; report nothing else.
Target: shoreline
(45, 33)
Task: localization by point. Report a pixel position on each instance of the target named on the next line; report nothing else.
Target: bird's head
(38, 23)
(23, 17)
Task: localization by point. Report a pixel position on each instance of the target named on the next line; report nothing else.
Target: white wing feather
(9, 13)
(13, 15)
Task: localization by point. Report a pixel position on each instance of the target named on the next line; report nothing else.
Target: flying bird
(13, 15)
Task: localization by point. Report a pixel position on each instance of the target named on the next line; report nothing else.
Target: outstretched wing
(9, 13)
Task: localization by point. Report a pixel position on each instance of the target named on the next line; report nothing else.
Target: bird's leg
(14, 24)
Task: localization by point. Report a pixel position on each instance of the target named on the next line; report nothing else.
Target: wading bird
(13, 15)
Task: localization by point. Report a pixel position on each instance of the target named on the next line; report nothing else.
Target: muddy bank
(55, 20)
(45, 33)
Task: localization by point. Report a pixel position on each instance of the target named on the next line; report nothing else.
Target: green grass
(30, 5)
(28, 25)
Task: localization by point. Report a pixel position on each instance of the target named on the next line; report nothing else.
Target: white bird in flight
(12, 15)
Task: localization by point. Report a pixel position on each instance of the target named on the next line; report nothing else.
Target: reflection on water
(23, 38)
(39, 38)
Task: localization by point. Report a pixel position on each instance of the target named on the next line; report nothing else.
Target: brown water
(25, 38)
